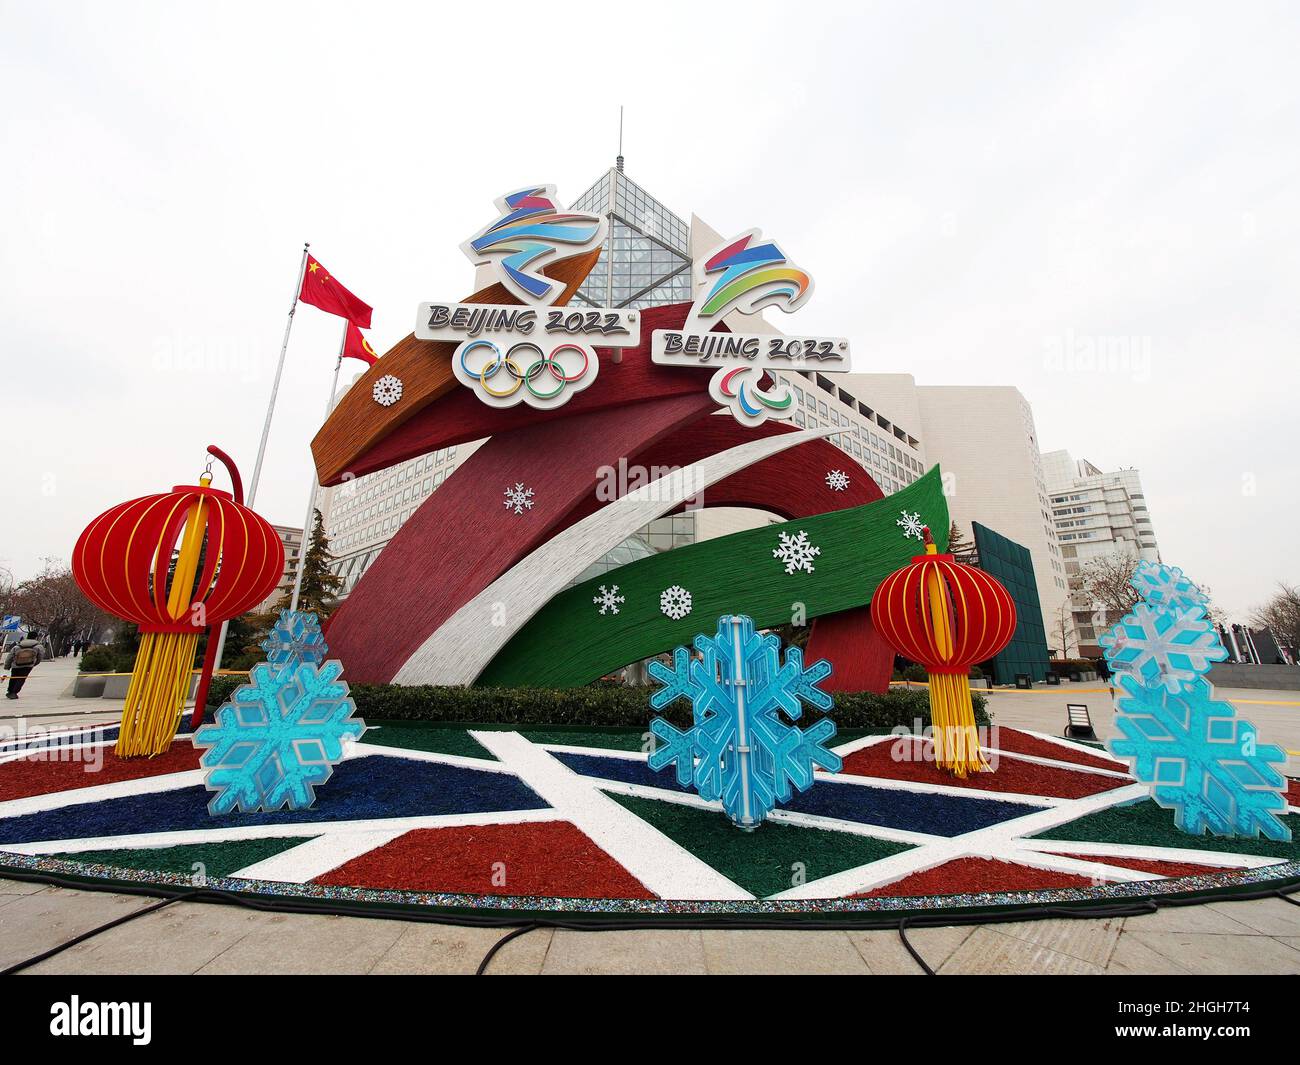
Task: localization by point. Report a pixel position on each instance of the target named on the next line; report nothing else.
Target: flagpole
(309, 523)
(275, 385)
(266, 425)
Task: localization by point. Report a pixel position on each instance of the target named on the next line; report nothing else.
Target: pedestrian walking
(22, 658)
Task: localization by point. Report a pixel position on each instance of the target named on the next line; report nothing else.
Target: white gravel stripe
(996, 841)
(663, 866)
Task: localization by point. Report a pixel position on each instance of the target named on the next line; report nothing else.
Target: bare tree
(1281, 616)
(53, 602)
(1063, 627)
(1107, 581)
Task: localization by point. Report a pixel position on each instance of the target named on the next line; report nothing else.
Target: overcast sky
(985, 193)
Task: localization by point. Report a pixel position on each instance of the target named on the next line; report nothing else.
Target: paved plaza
(1260, 936)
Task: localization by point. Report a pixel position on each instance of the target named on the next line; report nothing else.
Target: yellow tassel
(159, 685)
(956, 737)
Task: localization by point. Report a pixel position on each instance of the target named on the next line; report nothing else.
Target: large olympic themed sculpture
(478, 585)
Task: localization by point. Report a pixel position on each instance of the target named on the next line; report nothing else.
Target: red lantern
(947, 616)
(174, 564)
(122, 559)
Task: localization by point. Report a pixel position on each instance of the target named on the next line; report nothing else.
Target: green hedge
(595, 704)
(1066, 666)
(106, 660)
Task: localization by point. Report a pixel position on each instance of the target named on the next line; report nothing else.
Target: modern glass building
(646, 259)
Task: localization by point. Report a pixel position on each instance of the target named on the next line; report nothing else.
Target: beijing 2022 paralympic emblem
(744, 275)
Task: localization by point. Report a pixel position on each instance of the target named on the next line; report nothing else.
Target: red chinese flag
(323, 291)
(358, 347)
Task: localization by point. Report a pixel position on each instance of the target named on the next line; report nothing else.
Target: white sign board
(457, 322)
(675, 347)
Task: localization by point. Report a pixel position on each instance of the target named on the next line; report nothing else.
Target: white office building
(984, 439)
(1096, 514)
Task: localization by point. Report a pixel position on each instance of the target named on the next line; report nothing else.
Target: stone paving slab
(450, 949)
(1132, 957)
(1090, 941)
(180, 939)
(31, 924)
(304, 944)
(1198, 919)
(21, 887)
(885, 955)
(989, 951)
(780, 952)
(1270, 917)
(670, 953)
(1222, 955)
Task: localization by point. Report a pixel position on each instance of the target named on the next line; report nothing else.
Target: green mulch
(632, 739)
(762, 861)
(425, 738)
(1145, 824)
(218, 859)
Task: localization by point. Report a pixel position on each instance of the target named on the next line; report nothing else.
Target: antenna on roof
(619, 161)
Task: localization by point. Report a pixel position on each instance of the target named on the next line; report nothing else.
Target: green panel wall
(1012, 564)
(569, 642)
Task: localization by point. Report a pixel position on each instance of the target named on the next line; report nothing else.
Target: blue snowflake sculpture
(1167, 586)
(296, 638)
(1163, 645)
(739, 750)
(1197, 757)
(1201, 760)
(274, 740)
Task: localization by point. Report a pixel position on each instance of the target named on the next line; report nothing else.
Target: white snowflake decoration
(837, 480)
(796, 552)
(1167, 586)
(519, 498)
(1164, 647)
(608, 599)
(675, 602)
(387, 390)
(911, 524)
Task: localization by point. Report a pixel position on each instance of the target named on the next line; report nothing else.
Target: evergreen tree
(320, 586)
(960, 548)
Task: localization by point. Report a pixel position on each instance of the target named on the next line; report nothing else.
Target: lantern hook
(236, 482)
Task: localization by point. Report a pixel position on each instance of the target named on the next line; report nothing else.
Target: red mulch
(1152, 865)
(1017, 742)
(963, 876)
(548, 858)
(43, 773)
(1011, 775)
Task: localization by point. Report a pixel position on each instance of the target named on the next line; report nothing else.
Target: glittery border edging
(322, 893)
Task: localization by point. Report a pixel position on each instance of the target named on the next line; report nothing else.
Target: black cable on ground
(902, 934)
(1287, 898)
(487, 958)
(37, 959)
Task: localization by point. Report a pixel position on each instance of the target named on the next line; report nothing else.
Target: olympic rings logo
(524, 373)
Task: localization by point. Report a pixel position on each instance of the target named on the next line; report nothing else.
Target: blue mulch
(362, 788)
(909, 811)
